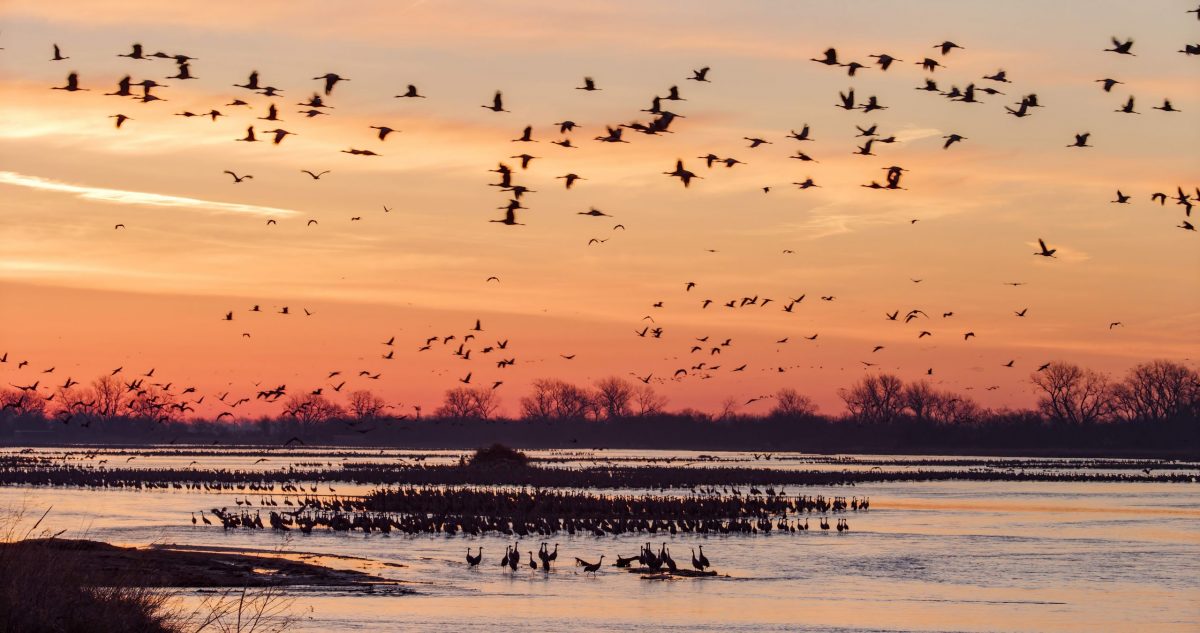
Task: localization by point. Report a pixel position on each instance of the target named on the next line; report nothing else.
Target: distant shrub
(498, 455)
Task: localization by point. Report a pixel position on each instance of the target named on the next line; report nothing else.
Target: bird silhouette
(331, 80)
(72, 84)
(1122, 48)
(1081, 140)
(497, 103)
(411, 93)
(1045, 252)
(383, 131)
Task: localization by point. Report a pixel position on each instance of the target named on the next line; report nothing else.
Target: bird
(383, 131)
(58, 56)
(589, 568)
(930, 64)
(946, 47)
(121, 119)
(237, 178)
(280, 135)
(952, 139)
(1108, 84)
(829, 57)
(410, 93)
(681, 173)
(315, 176)
(700, 75)
(497, 103)
(1081, 140)
(588, 84)
(802, 135)
(1166, 106)
(526, 136)
(135, 52)
(525, 159)
(1121, 198)
(1045, 252)
(1119, 47)
(331, 80)
(510, 218)
(72, 84)
(999, 76)
(1127, 108)
(570, 178)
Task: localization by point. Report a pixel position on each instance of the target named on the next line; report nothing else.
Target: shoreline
(189, 567)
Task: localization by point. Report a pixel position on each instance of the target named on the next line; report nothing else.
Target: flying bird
(331, 80)
(411, 93)
(1119, 47)
(497, 103)
(1045, 252)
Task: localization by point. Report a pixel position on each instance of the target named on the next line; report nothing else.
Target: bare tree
(613, 397)
(729, 408)
(107, 397)
(952, 408)
(920, 399)
(152, 403)
(875, 398)
(364, 404)
(554, 399)
(1158, 390)
(469, 402)
(311, 408)
(790, 403)
(21, 402)
(647, 401)
(1073, 394)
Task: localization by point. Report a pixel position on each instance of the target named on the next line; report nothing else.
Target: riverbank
(162, 566)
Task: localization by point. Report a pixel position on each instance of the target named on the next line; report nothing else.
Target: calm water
(945, 556)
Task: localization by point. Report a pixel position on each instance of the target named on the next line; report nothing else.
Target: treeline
(1152, 410)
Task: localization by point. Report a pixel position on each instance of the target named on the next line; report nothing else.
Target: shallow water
(933, 556)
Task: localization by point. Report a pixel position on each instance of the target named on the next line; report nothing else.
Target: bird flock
(259, 97)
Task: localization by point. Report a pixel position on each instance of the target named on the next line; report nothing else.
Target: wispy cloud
(120, 196)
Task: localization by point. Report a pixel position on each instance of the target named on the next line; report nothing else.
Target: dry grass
(47, 590)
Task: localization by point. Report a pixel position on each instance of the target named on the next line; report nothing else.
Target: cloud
(120, 196)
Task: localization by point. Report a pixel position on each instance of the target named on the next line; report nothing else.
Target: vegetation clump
(498, 455)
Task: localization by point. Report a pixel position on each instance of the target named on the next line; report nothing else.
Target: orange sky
(85, 298)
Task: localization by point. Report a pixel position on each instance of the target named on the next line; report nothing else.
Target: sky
(82, 297)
